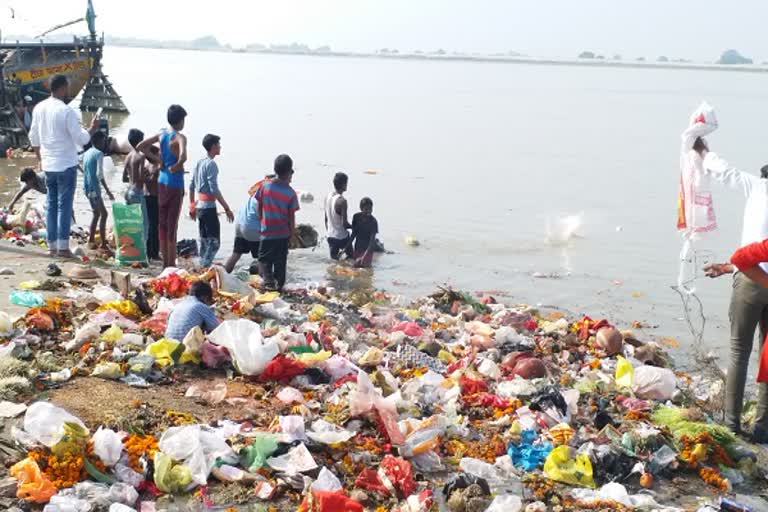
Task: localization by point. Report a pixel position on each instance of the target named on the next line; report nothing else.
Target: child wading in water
(205, 184)
(93, 180)
(365, 227)
(278, 204)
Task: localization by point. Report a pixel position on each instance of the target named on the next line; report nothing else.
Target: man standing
(336, 223)
(55, 135)
(749, 300)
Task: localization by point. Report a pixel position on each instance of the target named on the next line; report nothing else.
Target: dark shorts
(169, 208)
(243, 246)
(271, 251)
(367, 259)
(208, 223)
(339, 245)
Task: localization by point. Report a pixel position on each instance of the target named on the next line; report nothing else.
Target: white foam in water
(561, 230)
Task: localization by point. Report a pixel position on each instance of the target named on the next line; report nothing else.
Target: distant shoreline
(738, 68)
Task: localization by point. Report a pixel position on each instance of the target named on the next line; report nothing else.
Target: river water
(489, 165)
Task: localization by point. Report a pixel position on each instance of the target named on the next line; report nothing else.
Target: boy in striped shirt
(278, 204)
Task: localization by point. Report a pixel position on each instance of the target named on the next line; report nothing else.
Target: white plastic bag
(44, 422)
(198, 446)
(367, 397)
(107, 445)
(326, 481)
(291, 428)
(84, 334)
(6, 326)
(123, 493)
(505, 503)
(654, 383)
(105, 293)
(329, 433)
(297, 460)
(242, 338)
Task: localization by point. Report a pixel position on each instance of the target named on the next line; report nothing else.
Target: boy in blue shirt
(247, 233)
(93, 180)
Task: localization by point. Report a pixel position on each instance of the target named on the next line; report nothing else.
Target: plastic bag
(214, 356)
(255, 455)
(528, 453)
(119, 507)
(193, 341)
(6, 326)
(624, 373)
(209, 392)
(125, 307)
(297, 460)
(165, 351)
(171, 477)
(561, 466)
(26, 298)
(105, 293)
(411, 329)
(654, 383)
(367, 397)
(326, 481)
(108, 446)
(289, 395)
(242, 338)
(111, 371)
(198, 446)
(292, 428)
(326, 501)
(113, 334)
(141, 364)
(33, 484)
(505, 503)
(44, 423)
(328, 433)
(129, 233)
(123, 493)
(282, 369)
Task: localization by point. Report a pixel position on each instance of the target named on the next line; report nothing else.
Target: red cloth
(750, 255)
(762, 369)
(282, 369)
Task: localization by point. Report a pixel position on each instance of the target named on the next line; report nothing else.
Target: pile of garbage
(26, 226)
(452, 402)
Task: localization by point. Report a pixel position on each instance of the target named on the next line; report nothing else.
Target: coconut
(610, 340)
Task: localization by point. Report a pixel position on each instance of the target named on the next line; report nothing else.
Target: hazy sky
(700, 29)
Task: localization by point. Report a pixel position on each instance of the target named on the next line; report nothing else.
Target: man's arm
(144, 145)
(18, 196)
(34, 138)
(341, 209)
(192, 201)
(750, 255)
(179, 165)
(80, 135)
(210, 322)
(729, 176)
(100, 174)
(213, 185)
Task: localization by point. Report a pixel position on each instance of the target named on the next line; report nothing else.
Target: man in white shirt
(749, 300)
(55, 136)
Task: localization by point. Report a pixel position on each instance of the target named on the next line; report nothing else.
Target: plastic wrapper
(255, 455)
(297, 460)
(141, 364)
(289, 395)
(243, 339)
(326, 481)
(108, 446)
(624, 373)
(111, 371)
(211, 392)
(104, 293)
(563, 467)
(113, 334)
(129, 233)
(505, 503)
(291, 428)
(33, 484)
(125, 307)
(193, 341)
(328, 433)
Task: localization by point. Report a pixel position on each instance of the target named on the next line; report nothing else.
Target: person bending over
(194, 311)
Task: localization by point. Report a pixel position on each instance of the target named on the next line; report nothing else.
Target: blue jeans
(136, 196)
(61, 195)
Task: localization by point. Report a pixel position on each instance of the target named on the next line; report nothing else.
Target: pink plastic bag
(411, 329)
(214, 356)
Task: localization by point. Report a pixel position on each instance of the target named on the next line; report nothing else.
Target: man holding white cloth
(55, 136)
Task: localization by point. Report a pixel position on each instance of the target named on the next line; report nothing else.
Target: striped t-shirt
(278, 201)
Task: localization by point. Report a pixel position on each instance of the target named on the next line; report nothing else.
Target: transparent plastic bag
(108, 446)
(198, 446)
(243, 339)
(654, 383)
(44, 422)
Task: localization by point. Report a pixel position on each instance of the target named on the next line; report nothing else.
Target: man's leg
(760, 432)
(94, 223)
(266, 258)
(745, 311)
(333, 246)
(281, 263)
(103, 224)
(52, 213)
(153, 242)
(66, 193)
(174, 213)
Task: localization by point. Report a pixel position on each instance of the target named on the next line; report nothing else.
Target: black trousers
(273, 261)
(337, 245)
(153, 237)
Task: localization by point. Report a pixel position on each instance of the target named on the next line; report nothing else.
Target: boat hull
(31, 68)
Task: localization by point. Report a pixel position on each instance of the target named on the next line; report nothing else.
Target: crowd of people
(154, 172)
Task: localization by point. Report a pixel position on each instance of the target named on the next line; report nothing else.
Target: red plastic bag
(282, 369)
(470, 386)
(762, 369)
(394, 473)
(411, 329)
(327, 501)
